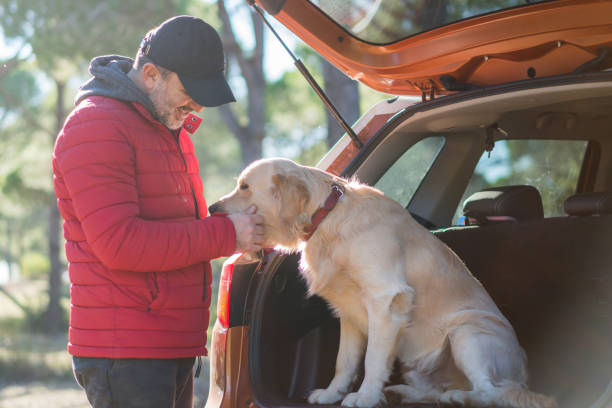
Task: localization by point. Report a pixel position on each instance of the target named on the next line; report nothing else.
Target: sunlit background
(45, 49)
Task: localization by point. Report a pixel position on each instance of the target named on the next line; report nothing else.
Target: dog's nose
(214, 208)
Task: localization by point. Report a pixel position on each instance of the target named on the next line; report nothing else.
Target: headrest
(589, 204)
(507, 203)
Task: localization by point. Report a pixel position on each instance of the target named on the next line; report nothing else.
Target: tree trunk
(250, 147)
(251, 134)
(344, 94)
(54, 315)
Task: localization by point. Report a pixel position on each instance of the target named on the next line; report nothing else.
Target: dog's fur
(400, 294)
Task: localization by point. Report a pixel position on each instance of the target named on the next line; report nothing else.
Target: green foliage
(311, 156)
(80, 30)
(205, 9)
(28, 355)
(403, 178)
(34, 265)
(296, 118)
(17, 88)
(30, 299)
(369, 97)
(218, 153)
(57, 39)
(35, 321)
(552, 166)
(15, 188)
(12, 182)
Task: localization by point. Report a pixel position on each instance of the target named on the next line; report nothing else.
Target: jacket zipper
(195, 202)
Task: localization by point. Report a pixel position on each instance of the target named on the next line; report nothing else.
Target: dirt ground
(35, 368)
(67, 394)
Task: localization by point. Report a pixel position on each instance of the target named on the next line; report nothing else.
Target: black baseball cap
(192, 49)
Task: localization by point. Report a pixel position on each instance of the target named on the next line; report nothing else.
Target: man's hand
(249, 230)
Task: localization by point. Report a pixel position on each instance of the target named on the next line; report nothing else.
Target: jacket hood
(110, 79)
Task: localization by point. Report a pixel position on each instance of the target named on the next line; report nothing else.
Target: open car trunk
(551, 277)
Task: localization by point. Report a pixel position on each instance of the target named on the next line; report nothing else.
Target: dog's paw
(363, 400)
(454, 397)
(324, 396)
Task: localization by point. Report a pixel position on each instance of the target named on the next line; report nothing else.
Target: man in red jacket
(138, 238)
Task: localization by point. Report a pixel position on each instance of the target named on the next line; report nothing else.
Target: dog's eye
(244, 186)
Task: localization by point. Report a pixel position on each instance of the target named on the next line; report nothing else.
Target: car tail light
(225, 289)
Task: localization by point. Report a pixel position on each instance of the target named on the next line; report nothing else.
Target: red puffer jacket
(138, 257)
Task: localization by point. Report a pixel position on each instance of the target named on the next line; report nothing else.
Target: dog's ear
(292, 194)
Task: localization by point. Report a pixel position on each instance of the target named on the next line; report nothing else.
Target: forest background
(45, 49)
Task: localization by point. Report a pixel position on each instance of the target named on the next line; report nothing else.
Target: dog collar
(322, 212)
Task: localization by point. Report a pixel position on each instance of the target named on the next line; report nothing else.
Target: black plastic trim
(255, 363)
(242, 281)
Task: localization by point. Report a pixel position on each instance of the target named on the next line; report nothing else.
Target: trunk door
(416, 47)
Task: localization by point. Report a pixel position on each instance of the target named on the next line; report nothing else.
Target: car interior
(550, 278)
(549, 275)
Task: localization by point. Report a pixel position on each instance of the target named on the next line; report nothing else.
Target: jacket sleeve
(98, 168)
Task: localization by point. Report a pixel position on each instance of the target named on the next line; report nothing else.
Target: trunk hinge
(311, 81)
(428, 91)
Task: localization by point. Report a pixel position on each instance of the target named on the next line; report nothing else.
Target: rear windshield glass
(386, 21)
(403, 178)
(551, 166)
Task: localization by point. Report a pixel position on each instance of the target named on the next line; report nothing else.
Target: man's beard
(162, 112)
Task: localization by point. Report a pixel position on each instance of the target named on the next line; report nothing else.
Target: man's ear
(150, 75)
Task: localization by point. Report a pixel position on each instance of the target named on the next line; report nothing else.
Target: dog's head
(283, 193)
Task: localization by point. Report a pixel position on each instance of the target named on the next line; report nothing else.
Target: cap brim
(209, 92)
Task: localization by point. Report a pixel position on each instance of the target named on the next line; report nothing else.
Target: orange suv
(499, 141)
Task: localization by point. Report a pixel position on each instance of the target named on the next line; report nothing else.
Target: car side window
(551, 166)
(404, 176)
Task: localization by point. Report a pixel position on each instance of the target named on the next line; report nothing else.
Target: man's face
(171, 102)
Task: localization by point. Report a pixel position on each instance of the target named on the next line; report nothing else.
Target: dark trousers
(134, 383)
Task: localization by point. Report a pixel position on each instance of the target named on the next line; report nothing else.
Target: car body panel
(341, 154)
(491, 54)
(233, 381)
(230, 384)
(533, 41)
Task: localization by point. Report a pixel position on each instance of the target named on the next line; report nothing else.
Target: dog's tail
(519, 397)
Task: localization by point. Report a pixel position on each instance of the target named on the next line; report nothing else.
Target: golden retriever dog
(400, 293)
